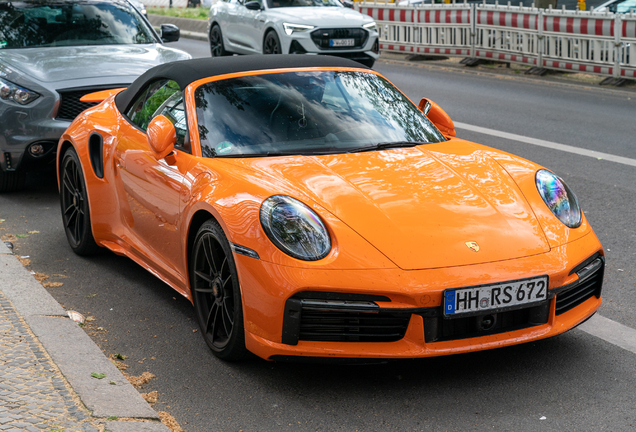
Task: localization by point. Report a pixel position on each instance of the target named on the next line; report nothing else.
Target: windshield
(307, 113)
(38, 24)
(623, 7)
(302, 3)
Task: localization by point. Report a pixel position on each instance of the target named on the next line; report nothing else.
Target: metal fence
(582, 41)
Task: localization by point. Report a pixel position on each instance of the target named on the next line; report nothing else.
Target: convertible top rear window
(307, 113)
(40, 24)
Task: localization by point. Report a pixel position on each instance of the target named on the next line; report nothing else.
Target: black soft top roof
(187, 71)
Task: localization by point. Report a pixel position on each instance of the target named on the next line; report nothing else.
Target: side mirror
(161, 136)
(438, 116)
(253, 5)
(170, 33)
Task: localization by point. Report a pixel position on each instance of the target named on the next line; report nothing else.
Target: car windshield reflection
(38, 24)
(307, 113)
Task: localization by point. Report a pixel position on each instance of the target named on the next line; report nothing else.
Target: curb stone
(72, 351)
(129, 426)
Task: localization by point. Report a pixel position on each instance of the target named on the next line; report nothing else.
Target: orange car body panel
(400, 232)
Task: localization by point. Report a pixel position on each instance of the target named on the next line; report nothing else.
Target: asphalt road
(572, 382)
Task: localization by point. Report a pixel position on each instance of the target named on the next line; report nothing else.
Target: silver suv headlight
(295, 228)
(372, 26)
(295, 28)
(559, 198)
(10, 91)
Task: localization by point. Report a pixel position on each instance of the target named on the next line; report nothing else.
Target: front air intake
(328, 320)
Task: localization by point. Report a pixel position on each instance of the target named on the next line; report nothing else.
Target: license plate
(341, 42)
(500, 296)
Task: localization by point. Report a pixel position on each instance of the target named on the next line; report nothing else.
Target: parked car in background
(292, 27)
(140, 7)
(54, 52)
(617, 6)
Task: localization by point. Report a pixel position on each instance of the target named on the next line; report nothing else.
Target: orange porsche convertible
(309, 209)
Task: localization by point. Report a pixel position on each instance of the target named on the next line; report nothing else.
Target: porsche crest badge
(473, 246)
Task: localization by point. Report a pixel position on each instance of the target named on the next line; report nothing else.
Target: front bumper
(302, 43)
(268, 288)
(22, 126)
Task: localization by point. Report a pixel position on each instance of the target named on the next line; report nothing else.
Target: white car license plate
(473, 300)
(341, 42)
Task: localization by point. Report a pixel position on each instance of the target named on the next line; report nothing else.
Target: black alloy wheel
(367, 62)
(271, 45)
(216, 293)
(11, 181)
(74, 202)
(216, 42)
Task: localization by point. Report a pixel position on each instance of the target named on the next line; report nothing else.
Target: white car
(292, 27)
(617, 6)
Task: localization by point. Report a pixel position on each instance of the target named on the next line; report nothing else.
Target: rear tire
(11, 181)
(74, 203)
(216, 293)
(217, 49)
(368, 62)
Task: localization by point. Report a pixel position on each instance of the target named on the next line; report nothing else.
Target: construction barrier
(627, 48)
(581, 41)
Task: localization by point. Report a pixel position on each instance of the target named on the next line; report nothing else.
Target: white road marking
(611, 331)
(548, 144)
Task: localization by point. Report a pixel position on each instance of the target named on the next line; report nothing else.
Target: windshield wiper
(386, 145)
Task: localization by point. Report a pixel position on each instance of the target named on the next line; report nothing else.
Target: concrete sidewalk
(46, 367)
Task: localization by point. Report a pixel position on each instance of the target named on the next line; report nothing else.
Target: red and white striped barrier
(597, 43)
(436, 29)
(507, 35)
(583, 43)
(627, 49)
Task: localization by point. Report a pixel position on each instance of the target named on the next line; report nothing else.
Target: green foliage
(143, 117)
(196, 13)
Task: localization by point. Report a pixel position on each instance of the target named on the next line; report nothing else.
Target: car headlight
(292, 28)
(10, 91)
(372, 26)
(559, 198)
(295, 228)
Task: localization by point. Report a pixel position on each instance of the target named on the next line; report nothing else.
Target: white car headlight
(295, 228)
(372, 26)
(559, 198)
(10, 91)
(294, 28)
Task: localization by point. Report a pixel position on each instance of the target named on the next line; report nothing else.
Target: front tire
(217, 49)
(74, 202)
(11, 181)
(216, 293)
(368, 62)
(271, 44)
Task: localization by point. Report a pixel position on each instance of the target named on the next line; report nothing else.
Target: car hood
(72, 63)
(422, 207)
(321, 16)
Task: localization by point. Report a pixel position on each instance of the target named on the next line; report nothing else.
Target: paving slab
(77, 356)
(34, 396)
(21, 288)
(46, 362)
